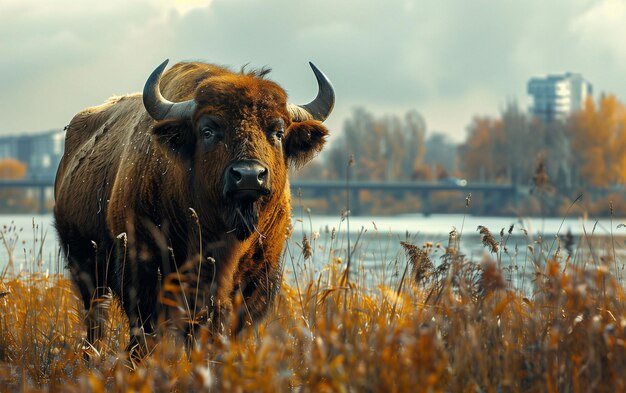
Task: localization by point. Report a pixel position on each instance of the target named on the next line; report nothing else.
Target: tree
(483, 157)
(557, 152)
(12, 169)
(598, 135)
(13, 200)
(519, 142)
(415, 133)
(388, 148)
(508, 149)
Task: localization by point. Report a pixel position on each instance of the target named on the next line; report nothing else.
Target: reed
(442, 322)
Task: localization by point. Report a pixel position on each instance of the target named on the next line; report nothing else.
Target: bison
(188, 179)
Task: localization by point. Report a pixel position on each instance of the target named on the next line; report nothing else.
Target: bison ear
(175, 136)
(303, 141)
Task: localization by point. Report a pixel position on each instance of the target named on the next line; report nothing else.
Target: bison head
(235, 138)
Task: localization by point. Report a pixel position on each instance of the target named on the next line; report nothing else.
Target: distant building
(555, 97)
(40, 152)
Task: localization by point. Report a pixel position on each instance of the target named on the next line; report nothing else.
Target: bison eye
(210, 133)
(277, 136)
(276, 130)
(211, 129)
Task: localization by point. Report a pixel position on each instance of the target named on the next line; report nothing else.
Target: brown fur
(126, 186)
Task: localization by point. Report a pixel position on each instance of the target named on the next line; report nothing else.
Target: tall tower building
(555, 97)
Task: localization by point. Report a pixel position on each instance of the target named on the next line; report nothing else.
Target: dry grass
(452, 325)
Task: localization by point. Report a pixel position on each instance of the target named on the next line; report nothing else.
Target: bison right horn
(321, 107)
(160, 108)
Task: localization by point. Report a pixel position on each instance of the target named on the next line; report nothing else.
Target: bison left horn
(157, 106)
(321, 106)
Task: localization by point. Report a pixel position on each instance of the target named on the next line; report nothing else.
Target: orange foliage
(598, 136)
(482, 159)
(12, 169)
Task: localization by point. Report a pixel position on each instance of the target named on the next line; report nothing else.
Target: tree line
(588, 149)
(584, 154)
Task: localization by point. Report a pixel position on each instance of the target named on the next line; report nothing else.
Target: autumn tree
(598, 136)
(414, 135)
(13, 200)
(387, 148)
(508, 149)
(12, 169)
(482, 153)
(556, 152)
(521, 144)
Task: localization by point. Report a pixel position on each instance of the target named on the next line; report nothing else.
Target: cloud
(448, 60)
(600, 32)
(54, 63)
(602, 29)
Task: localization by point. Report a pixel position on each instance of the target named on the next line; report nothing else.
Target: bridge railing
(424, 189)
(43, 188)
(42, 191)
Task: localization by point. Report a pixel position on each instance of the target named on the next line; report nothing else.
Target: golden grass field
(445, 323)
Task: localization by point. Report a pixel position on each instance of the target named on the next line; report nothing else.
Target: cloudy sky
(450, 60)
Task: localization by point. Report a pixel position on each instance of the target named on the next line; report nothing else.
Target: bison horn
(157, 106)
(321, 106)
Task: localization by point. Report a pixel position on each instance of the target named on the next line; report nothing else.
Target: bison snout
(246, 180)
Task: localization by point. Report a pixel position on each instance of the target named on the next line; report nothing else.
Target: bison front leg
(89, 265)
(95, 295)
(193, 291)
(254, 298)
(138, 290)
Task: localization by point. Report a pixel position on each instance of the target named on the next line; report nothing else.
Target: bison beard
(242, 219)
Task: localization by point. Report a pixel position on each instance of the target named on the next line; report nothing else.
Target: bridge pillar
(355, 202)
(42, 200)
(514, 196)
(426, 203)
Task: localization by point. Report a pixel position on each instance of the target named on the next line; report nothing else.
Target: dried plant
(487, 238)
(421, 265)
(464, 328)
(306, 247)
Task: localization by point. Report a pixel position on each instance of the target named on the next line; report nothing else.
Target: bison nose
(246, 180)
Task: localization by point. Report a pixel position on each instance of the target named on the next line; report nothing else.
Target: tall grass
(441, 322)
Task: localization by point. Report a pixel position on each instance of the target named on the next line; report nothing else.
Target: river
(28, 242)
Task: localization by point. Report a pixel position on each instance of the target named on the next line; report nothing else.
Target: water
(380, 259)
(29, 242)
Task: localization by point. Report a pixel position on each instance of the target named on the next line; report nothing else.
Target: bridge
(496, 193)
(490, 192)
